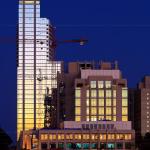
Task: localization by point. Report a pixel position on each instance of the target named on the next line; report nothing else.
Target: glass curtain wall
(35, 71)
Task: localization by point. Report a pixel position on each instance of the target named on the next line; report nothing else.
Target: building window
(93, 118)
(108, 110)
(147, 103)
(147, 126)
(78, 93)
(87, 102)
(77, 102)
(124, 118)
(124, 102)
(124, 93)
(101, 102)
(102, 136)
(108, 93)
(93, 84)
(108, 84)
(108, 118)
(101, 110)
(101, 93)
(52, 136)
(93, 93)
(114, 102)
(108, 102)
(101, 84)
(78, 118)
(87, 118)
(101, 118)
(93, 111)
(77, 136)
(44, 137)
(78, 110)
(124, 110)
(87, 111)
(61, 137)
(114, 118)
(127, 136)
(93, 102)
(86, 136)
(114, 110)
(114, 93)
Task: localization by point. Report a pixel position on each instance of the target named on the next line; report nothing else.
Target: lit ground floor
(75, 139)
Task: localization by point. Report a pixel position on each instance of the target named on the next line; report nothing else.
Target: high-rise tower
(36, 69)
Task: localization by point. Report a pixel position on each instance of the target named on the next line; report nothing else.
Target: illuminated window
(87, 102)
(44, 137)
(52, 136)
(87, 93)
(124, 118)
(69, 136)
(102, 136)
(77, 102)
(93, 93)
(87, 111)
(100, 84)
(124, 93)
(108, 84)
(108, 102)
(101, 111)
(108, 93)
(93, 84)
(78, 118)
(101, 118)
(111, 136)
(124, 110)
(114, 118)
(86, 136)
(114, 93)
(77, 136)
(61, 137)
(93, 102)
(108, 118)
(87, 118)
(114, 110)
(114, 102)
(101, 93)
(78, 110)
(94, 137)
(93, 118)
(128, 136)
(93, 110)
(124, 102)
(101, 102)
(78, 93)
(108, 110)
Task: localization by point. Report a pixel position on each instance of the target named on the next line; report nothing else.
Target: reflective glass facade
(35, 69)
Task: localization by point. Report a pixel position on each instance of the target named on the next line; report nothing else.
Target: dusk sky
(116, 30)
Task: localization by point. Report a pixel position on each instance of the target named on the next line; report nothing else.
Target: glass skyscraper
(36, 69)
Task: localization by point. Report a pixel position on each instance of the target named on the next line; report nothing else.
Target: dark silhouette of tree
(5, 140)
(145, 144)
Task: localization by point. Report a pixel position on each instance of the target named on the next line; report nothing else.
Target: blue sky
(116, 30)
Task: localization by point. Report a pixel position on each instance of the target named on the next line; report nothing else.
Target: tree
(5, 140)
